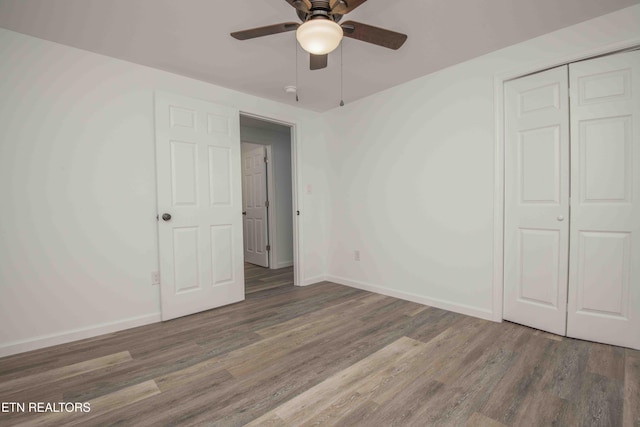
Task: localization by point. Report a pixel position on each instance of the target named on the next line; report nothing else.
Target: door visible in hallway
(254, 199)
(199, 205)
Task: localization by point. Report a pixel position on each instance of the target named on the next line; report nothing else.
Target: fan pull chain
(341, 77)
(296, 45)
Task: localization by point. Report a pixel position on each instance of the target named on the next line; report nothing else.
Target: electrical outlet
(155, 277)
(356, 255)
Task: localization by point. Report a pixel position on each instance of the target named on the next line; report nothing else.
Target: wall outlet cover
(155, 277)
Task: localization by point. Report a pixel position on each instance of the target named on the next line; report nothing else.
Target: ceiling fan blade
(343, 7)
(265, 31)
(370, 34)
(317, 62)
(301, 5)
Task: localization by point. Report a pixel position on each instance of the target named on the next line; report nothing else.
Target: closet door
(537, 200)
(604, 281)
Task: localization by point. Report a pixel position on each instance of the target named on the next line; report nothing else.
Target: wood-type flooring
(326, 355)
(258, 278)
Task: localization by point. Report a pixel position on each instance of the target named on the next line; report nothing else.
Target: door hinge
(268, 248)
(266, 204)
(266, 160)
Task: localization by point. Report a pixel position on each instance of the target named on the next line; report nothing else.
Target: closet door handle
(560, 218)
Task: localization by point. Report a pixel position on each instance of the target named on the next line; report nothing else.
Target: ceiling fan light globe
(319, 36)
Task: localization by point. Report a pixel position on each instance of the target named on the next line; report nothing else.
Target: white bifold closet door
(604, 267)
(537, 200)
(572, 200)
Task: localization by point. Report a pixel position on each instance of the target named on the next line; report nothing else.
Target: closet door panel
(537, 200)
(604, 273)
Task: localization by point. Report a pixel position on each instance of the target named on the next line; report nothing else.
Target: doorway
(268, 203)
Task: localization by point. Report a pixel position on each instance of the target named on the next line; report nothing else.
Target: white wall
(411, 174)
(281, 206)
(78, 236)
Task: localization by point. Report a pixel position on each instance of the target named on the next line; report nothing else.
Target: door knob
(166, 216)
(244, 213)
(560, 218)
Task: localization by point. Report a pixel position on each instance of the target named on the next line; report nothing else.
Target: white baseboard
(283, 264)
(468, 310)
(313, 280)
(76, 334)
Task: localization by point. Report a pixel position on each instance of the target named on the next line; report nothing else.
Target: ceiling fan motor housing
(319, 9)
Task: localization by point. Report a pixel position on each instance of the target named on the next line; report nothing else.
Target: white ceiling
(191, 38)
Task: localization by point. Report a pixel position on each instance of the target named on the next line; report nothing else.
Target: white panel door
(254, 201)
(604, 279)
(199, 203)
(537, 200)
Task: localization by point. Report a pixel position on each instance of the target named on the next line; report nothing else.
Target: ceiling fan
(320, 32)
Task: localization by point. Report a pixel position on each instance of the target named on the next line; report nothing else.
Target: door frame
(271, 218)
(499, 145)
(295, 191)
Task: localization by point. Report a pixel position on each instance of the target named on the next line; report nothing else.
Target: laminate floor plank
(520, 380)
(364, 415)
(479, 420)
(222, 327)
(268, 386)
(177, 403)
(339, 310)
(309, 334)
(93, 385)
(407, 401)
(99, 407)
(568, 367)
(468, 396)
(139, 370)
(259, 279)
(471, 354)
(327, 355)
(607, 360)
(631, 416)
(543, 409)
(435, 358)
(438, 320)
(306, 366)
(64, 372)
(331, 393)
(603, 402)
